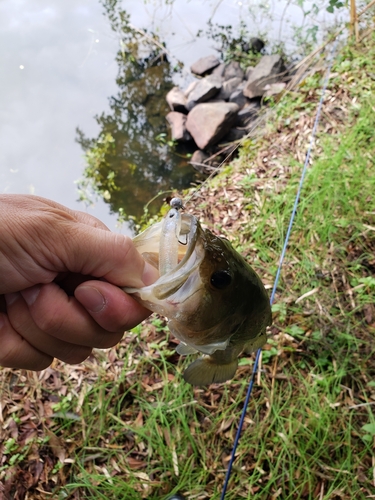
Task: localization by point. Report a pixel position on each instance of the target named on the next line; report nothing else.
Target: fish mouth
(173, 289)
(191, 254)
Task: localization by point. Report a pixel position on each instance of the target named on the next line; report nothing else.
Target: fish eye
(221, 279)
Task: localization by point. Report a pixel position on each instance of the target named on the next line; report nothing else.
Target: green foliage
(234, 44)
(163, 139)
(369, 430)
(335, 4)
(98, 172)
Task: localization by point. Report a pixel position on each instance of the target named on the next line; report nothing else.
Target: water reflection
(129, 162)
(67, 51)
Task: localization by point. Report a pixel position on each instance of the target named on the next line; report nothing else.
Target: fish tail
(205, 371)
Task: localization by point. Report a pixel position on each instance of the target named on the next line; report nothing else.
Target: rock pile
(222, 104)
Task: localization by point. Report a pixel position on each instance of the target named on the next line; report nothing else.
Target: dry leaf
(57, 445)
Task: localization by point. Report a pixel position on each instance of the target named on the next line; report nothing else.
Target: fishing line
(283, 252)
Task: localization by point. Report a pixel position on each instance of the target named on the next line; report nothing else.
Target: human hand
(60, 276)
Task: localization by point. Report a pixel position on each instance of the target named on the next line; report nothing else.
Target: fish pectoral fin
(185, 349)
(255, 344)
(205, 371)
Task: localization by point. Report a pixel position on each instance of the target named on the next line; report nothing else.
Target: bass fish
(215, 302)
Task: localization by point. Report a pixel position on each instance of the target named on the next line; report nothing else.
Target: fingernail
(90, 298)
(11, 298)
(30, 294)
(150, 274)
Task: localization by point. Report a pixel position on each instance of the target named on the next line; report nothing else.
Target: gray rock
(191, 87)
(267, 71)
(177, 122)
(274, 88)
(199, 156)
(248, 72)
(233, 70)
(235, 134)
(205, 89)
(204, 64)
(197, 161)
(216, 99)
(219, 70)
(209, 122)
(228, 88)
(176, 99)
(238, 98)
(247, 114)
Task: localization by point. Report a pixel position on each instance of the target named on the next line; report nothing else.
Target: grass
(125, 425)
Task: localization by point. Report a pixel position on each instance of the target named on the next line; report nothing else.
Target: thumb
(98, 252)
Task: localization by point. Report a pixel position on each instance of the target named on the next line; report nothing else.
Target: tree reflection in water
(129, 162)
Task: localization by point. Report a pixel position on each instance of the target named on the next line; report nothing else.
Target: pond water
(59, 71)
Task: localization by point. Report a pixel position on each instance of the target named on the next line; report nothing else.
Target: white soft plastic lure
(215, 302)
